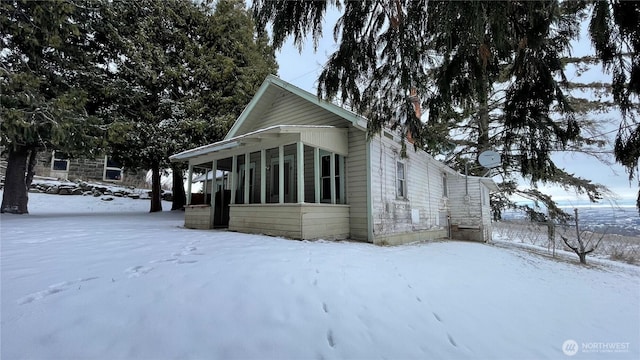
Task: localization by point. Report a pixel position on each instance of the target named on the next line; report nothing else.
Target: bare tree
(583, 247)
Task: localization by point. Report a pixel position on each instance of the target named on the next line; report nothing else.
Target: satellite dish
(489, 159)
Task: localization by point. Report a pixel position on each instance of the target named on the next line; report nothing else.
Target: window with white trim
(59, 161)
(401, 180)
(326, 178)
(112, 170)
(445, 187)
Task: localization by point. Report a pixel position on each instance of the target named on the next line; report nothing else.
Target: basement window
(113, 171)
(59, 161)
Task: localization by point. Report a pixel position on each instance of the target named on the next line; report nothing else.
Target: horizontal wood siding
(465, 209)
(197, 217)
(356, 184)
(275, 220)
(423, 206)
(486, 214)
(325, 222)
(289, 109)
(467, 214)
(296, 221)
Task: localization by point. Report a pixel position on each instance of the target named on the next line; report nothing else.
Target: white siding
(486, 214)
(197, 217)
(289, 109)
(296, 221)
(464, 201)
(470, 218)
(356, 184)
(423, 206)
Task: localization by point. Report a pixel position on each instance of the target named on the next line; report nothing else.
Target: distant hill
(621, 219)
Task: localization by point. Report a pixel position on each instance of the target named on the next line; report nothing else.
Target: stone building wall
(82, 169)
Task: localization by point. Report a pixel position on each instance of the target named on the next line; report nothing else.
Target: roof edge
(272, 80)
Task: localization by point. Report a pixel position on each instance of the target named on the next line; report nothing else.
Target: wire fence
(612, 246)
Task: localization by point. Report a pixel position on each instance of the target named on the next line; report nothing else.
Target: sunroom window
(326, 177)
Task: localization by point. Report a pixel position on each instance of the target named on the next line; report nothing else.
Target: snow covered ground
(84, 278)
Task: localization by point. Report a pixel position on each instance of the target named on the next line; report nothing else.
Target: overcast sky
(302, 69)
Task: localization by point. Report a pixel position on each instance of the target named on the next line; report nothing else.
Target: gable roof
(272, 86)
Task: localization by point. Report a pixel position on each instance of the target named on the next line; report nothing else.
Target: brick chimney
(415, 100)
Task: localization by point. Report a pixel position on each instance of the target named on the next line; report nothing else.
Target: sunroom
(284, 180)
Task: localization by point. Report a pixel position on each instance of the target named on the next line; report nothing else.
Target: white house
(300, 167)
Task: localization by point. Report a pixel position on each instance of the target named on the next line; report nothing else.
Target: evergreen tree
(51, 80)
(187, 72)
(615, 33)
(457, 55)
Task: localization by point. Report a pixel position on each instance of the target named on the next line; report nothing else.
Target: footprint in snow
(437, 317)
(53, 289)
(186, 261)
(163, 260)
(330, 339)
(136, 271)
(324, 307)
(453, 342)
(188, 250)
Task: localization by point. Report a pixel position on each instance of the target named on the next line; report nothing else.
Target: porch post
(214, 173)
(263, 176)
(205, 186)
(332, 164)
(234, 169)
(281, 174)
(247, 172)
(343, 191)
(300, 171)
(189, 182)
(316, 173)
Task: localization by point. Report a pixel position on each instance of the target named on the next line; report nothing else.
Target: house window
(241, 181)
(289, 179)
(240, 161)
(401, 181)
(271, 177)
(445, 188)
(325, 177)
(59, 161)
(112, 170)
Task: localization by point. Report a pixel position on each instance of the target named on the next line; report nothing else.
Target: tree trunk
(156, 196)
(483, 118)
(15, 197)
(31, 165)
(583, 257)
(179, 195)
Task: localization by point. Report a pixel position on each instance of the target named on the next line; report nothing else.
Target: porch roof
(330, 138)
